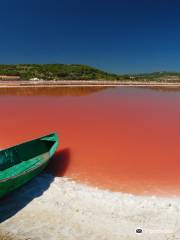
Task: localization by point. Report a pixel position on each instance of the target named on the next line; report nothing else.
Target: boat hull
(13, 182)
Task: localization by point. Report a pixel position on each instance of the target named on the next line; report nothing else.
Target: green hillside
(79, 72)
(55, 72)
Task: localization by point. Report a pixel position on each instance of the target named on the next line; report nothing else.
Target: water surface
(123, 139)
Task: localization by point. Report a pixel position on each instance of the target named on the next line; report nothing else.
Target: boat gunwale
(36, 166)
(39, 138)
(24, 172)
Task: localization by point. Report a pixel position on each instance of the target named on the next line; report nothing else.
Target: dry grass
(7, 237)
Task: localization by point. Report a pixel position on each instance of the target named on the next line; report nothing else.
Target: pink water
(123, 139)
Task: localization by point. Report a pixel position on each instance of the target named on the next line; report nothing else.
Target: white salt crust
(58, 208)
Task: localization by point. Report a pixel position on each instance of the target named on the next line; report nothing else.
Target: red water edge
(122, 139)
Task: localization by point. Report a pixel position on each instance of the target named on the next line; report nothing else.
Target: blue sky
(120, 36)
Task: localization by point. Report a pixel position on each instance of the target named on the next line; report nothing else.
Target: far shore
(84, 83)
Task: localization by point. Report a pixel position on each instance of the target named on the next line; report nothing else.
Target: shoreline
(76, 211)
(83, 83)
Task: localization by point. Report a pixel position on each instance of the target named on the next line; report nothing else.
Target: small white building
(34, 79)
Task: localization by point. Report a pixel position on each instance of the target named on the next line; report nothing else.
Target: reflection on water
(59, 162)
(125, 138)
(49, 91)
(163, 88)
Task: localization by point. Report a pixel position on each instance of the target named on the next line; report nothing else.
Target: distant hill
(158, 76)
(78, 72)
(55, 72)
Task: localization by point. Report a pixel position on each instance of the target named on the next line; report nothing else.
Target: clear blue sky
(116, 35)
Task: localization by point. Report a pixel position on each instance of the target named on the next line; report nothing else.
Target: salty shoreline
(69, 210)
(83, 83)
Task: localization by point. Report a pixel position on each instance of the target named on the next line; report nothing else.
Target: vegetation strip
(77, 72)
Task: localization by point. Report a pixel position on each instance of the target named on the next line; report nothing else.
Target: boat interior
(23, 152)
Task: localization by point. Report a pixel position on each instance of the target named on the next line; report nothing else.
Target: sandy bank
(74, 83)
(48, 208)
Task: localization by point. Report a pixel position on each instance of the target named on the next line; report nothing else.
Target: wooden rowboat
(20, 163)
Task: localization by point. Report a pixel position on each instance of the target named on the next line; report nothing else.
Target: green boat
(20, 163)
